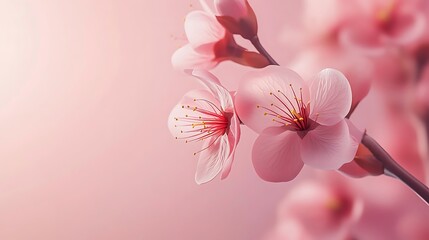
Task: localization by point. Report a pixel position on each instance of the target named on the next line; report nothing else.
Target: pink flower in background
(335, 207)
(238, 17)
(370, 26)
(299, 122)
(323, 209)
(210, 43)
(385, 23)
(209, 117)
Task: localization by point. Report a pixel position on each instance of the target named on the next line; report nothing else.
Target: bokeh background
(85, 153)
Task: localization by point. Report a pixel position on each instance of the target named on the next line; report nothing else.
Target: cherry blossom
(299, 122)
(208, 116)
(323, 209)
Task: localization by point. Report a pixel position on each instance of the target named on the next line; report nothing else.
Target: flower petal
(276, 158)
(233, 139)
(234, 8)
(213, 84)
(253, 95)
(184, 107)
(206, 7)
(331, 97)
(201, 28)
(187, 58)
(211, 160)
(328, 147)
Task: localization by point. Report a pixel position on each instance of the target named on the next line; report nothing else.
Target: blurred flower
(299, 122)
(209, 44)
(335, 207)
(208, 116)
(422, 96)
(238, 17)
(323, 209)
(381, 24)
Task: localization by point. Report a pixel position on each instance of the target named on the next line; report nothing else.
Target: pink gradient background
(85, 152)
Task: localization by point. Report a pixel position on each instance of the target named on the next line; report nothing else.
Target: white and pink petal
(211, 160)
(331, 97)
(213, 84)
(277, 158)
(202, 28)
(328, 147)
(187, 58)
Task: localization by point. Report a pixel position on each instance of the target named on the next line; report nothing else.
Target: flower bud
(238, 17)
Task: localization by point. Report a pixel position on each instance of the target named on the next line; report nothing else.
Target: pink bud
(364, 164)
(233, 8)
(237, 17)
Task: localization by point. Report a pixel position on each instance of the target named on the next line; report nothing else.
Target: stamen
(288, 112)
(201, 123)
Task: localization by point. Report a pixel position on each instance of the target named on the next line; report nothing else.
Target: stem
(394, 168)
(257, 44)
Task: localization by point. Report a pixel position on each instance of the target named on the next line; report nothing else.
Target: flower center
(201, 123)
(384, 15)
(292, 113)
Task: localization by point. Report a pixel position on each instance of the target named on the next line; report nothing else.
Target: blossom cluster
(299, 121)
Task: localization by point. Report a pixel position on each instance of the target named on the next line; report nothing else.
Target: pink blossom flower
(238, 17)
(384, 23)
(323, 209)
(208, 116)
(299, 122)
(331, 206)
(209, 44)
